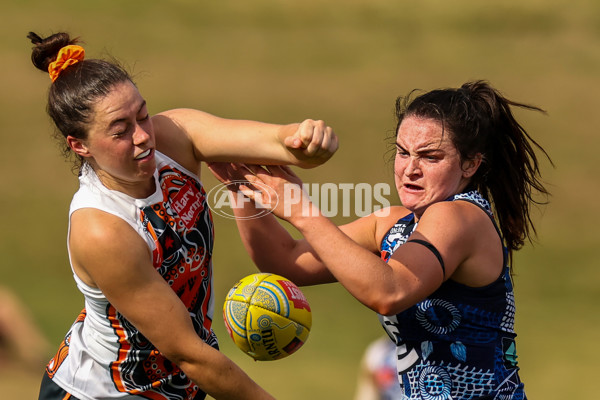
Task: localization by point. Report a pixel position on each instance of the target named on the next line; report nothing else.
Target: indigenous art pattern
(182, 230)
(458, 343)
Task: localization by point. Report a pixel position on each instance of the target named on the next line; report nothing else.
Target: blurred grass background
(344, 62)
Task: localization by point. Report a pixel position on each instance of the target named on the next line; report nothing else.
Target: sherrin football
(267, 316)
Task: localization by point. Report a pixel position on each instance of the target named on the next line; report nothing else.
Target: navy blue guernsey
(458, 343)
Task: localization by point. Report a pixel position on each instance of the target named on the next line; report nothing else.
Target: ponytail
(479, 120)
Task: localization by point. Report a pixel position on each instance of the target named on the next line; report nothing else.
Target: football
(267, 316)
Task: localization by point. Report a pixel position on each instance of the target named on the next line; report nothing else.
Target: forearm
(273, 249)
(185, 132)
(218, 376)
(368, 278)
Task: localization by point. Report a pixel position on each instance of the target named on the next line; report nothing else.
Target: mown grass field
(344, 62)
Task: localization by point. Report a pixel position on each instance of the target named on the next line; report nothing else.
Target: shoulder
(456, 221)
(173, 140)
(456, 226)
(368, 231)
(386, 218)
(94, 233)
(467, 240)
(101, 243)
(445, 212)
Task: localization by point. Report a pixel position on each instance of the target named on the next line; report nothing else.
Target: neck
(135, 189)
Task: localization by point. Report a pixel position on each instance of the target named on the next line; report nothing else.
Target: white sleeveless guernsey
(103, 356)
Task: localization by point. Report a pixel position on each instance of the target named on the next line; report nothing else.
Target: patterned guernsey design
(104, 355)
(459, 343)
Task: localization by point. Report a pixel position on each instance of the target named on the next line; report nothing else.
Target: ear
(470, 166)
(78, 146)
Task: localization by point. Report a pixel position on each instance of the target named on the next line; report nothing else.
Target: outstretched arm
(271, 246)
(192, 136)
(412, 273)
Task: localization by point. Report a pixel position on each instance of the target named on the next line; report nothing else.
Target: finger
(329, 145)
(292, 142)
(220, 170)
(309, 131)
(335, 143)
(316, 140)
(256, 175)
(287, 169)
(249, 193)
(287, 173)
(248, 169)
(324, 148)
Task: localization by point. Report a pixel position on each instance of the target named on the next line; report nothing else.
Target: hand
(279, 190)
(227, 172)
(313, 143)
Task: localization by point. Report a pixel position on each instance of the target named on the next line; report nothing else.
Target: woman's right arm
(107, 253)
(272, 247)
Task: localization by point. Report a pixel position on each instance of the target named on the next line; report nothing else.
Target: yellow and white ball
(267, 316)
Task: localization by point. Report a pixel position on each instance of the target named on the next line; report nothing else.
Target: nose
(140, 135)
(412, 167)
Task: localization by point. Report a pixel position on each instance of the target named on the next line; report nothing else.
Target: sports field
(344, 62)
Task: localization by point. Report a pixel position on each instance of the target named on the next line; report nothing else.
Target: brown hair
(479, 120)
(72, 96)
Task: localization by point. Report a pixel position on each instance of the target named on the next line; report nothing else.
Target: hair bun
(45, 50)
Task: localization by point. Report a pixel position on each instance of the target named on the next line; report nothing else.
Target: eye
(432, 157)
(400, 151)
(121, 131)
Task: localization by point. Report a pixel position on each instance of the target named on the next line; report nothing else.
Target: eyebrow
(423, 150)
(122, 120)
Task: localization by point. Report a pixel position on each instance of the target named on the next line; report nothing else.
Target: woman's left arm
(192, 136)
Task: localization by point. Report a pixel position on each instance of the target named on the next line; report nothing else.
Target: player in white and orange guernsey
(141, 235)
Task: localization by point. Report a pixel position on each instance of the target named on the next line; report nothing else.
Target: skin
(428, 169)
(106, 253)
(427, 165)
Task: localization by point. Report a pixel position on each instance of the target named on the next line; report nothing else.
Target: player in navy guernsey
(436, 269)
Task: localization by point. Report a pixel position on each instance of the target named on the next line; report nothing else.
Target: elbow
(177, 357)
(385, 309)
(194, 359)
(187, 350)
(388, 305)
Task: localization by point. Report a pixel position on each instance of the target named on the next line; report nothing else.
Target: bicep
(306, 267)
(444, 239)
(362, 231)
(431, 255)
(418, 273)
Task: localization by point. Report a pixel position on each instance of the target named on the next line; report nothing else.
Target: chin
(408, 200)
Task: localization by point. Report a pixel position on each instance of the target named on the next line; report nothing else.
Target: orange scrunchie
(67, 56)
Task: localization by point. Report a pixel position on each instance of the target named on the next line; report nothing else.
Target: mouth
(143, 154)
(411, 187)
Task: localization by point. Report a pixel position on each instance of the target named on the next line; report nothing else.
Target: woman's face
(120, 143)
(428, 167)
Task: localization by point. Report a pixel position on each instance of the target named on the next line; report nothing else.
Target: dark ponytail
(74, 93)
(479, 120)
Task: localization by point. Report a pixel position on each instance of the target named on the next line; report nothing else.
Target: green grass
(344, 62)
